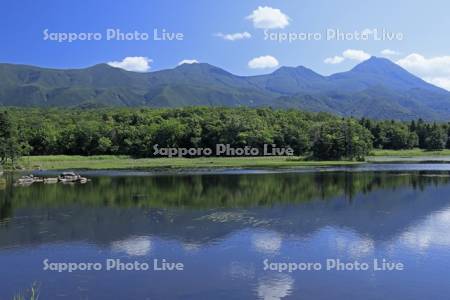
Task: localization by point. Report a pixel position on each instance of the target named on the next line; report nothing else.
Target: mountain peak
(377, 72)
(204, 68)
(103, 66)
(377, 65)
(299, 71)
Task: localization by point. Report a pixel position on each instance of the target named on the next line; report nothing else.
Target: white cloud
(358, 55)
(263, 62)
(435, 70)
(352, 54)
(389, 52)
(188, 61)
(133, 63)
(234, 36)
(266, 17)
(434, 66)
(334, 60)
(439, 81)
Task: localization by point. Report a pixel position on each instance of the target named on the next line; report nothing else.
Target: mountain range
(376, 88)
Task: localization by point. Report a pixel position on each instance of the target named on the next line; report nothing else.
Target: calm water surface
(223, 226)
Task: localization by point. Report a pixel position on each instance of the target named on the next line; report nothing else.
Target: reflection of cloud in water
(354, 246)
(275, 287)
(267, 242)
(191, 247)
(239, 270)
(433, 231)
(134, 246)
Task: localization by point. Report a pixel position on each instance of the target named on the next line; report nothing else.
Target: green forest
(134, 131)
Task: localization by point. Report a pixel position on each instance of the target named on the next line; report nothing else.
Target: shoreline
(105, 162)
(114, 162)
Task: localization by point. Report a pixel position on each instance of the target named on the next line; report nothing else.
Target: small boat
(83, 180)
(50, 180)
(71, 177)
(66, 177)
(26, 180)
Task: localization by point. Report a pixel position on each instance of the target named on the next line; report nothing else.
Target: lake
(233, 234)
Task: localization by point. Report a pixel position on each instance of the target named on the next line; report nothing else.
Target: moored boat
(26, 180)
(66, 177)
(71, 177)
(50, 180)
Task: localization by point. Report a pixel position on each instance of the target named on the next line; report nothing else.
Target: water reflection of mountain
(203, 209)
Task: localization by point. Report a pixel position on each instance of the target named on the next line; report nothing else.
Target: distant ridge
(376, 88)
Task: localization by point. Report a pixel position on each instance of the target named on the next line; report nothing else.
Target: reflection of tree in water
(203, 209)
(212, 191)
(6, 208)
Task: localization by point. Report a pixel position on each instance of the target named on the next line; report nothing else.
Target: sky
(242, 37)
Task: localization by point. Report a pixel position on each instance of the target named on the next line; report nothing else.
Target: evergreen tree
(436, 138)
(10, 148)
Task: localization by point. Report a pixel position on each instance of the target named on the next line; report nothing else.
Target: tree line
(127, 131)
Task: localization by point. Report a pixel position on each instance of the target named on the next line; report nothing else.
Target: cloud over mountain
(352, 54)
(263, 62)
(133, 63)
(334, 60)
(389, 52)
(435, 70)
(188, 61)
(358, 55)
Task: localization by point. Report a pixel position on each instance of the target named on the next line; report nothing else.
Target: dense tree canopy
(135, 131)
(336, 139)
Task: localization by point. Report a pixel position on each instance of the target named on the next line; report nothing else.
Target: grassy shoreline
(410, 153)
(103, 162)
(409, 156)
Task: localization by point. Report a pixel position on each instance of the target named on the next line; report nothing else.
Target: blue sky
(424, 48)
